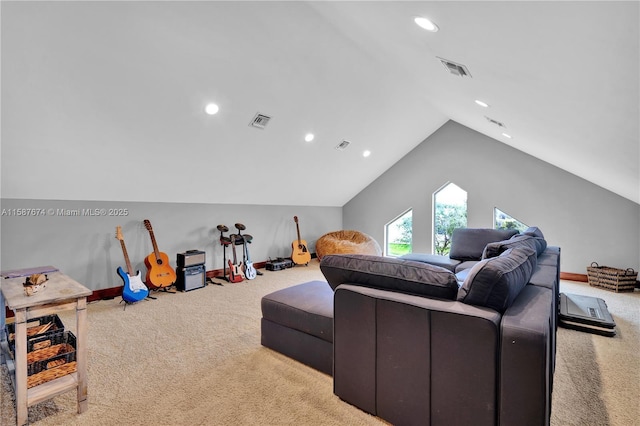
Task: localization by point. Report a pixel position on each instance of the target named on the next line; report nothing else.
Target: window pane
(450, 212)
(503, 220)
(398, 235)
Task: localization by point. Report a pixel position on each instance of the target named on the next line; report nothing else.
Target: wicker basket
(39, 332)
(52, 362)
(617, 280)
(51, 374)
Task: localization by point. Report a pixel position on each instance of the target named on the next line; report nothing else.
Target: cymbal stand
(224, 242)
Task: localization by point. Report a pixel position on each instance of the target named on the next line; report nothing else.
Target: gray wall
(588, 222)
(85, 247)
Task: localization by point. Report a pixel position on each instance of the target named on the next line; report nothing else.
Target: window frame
(434, 210)
(386, 232)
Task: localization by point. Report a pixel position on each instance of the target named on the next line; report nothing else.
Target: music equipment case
(586, 313)
(191, 272)
(190, 278)
(279, 264)
(190, 258)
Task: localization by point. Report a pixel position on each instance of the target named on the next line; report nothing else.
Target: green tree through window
(398, 235)
(503, 220)
(450, 212)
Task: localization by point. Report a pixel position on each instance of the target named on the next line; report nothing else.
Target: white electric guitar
(249, 271)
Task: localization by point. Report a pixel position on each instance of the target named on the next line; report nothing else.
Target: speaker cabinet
(190, 258)
(190, 277)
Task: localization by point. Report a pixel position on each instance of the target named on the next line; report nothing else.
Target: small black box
(279, 264)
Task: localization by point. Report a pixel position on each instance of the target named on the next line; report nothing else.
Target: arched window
(398, 235)
(503, 220)
(449, 213)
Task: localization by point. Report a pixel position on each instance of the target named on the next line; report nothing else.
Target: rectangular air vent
(342, 145)
(260, 121)
(455, 68)
(496, 122)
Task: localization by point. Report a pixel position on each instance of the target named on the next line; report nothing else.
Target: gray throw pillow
(519, 240)
(496, 282)
(389, 273)
(469, 243)
(534, 231)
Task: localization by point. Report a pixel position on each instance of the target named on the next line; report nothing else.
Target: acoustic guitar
(299, 253)
(159, 272)
(235, 268)
(134, 289)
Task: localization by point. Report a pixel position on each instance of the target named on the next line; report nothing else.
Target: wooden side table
(61, 293)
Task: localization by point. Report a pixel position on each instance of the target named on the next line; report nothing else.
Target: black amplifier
(190, 278)
(190, 258)
(279, 264)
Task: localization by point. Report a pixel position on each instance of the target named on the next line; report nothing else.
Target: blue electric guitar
(134, 289)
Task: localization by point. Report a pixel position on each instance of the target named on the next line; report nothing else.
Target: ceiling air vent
(342, 145)
(496, 122)
(455, 68)
(260, 121)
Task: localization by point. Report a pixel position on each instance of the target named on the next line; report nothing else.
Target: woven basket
(51, 374)
(39, 331)
(617, 280)
(53, 361)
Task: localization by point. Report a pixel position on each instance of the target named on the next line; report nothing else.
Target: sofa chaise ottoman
(298, 322)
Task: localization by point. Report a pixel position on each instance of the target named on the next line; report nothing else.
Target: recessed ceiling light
(366, 153)
(308, 137)
(211, 109)
(426, 24)
(482, 104)
(506, 136)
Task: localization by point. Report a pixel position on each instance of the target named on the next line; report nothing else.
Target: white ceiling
(115, 91)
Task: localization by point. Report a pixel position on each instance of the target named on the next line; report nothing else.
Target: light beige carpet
(195, 359)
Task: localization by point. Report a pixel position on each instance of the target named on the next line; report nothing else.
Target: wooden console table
(61, 293)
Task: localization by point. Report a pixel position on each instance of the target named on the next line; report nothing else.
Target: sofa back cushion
(519, 240)
(496, 282)
(469, 243)
(534, 231)
(389, 273)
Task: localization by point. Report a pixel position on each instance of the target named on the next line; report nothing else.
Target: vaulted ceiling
(105, 100)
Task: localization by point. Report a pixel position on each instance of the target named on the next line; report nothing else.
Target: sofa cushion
(467, 264)
(433, 259)
(534, 231)
(306, 307)
(519, 240)
(550, 257)
(468, 243)
(495, 282)
(544, 276)
(389, 273)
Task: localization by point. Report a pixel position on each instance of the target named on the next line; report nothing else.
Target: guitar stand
(239, 239)
(224, 241)
(133, 303)
(245, 239)
(165, 289)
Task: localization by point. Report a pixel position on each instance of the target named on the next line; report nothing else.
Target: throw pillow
(534, 231)
(518, 240)
(496, 282)
(389, 273)
(469, 243)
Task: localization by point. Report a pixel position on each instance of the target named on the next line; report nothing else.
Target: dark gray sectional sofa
(414, 342)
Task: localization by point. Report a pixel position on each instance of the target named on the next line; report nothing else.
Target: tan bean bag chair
(339, 242)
